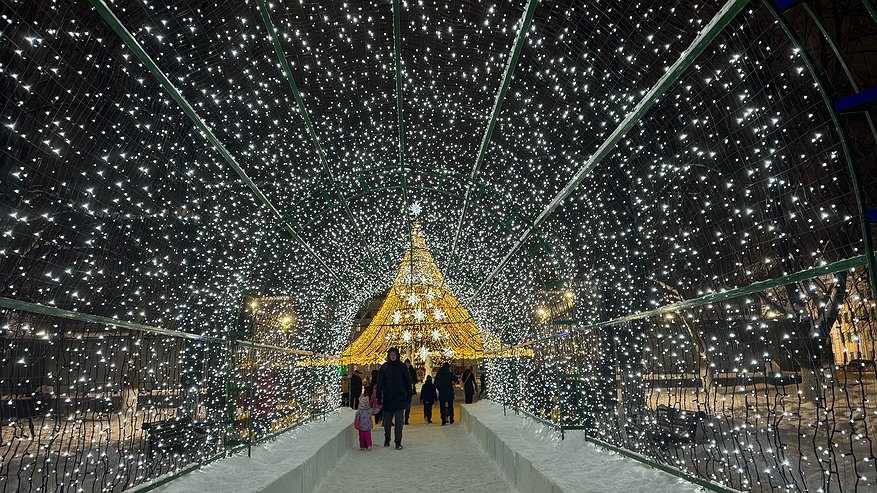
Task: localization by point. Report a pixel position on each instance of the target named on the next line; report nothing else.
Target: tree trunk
(705, 369)
(819, 356)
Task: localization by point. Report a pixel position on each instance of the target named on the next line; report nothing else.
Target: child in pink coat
(363, 422)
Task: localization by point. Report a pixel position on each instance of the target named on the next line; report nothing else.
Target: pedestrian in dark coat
(469, 385)
(428, 395)
(394, 394)
(444, 383)
(355, 389)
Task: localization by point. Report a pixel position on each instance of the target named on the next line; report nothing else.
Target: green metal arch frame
(352, 187)
(832, 45)
(540, 243)
(494, 189)
(388, 257)
(505, 225)
(852, 166)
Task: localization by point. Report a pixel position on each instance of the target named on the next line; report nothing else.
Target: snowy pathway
(435, 458)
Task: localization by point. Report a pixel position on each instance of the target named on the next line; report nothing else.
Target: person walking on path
(469, 385)
(394, 393)
(363, 422)
(355, 389)
(371, 392)
(345, 387)
(428, 395)
(413, 372)
(444, 383)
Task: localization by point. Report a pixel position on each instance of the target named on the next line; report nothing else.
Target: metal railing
(97, 407)
(753, 392)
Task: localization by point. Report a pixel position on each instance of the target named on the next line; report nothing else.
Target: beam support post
(728, 12)
(512, 63)
(128, 39)
(300, 104)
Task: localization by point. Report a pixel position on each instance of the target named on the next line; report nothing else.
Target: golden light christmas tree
(420, 316)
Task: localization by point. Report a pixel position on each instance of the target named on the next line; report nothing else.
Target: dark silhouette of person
(444, 383)
(469, 385)
(355, 389)
(428, 395)
(345, 387)
(371, 392)
(394, 394)
(413, 372)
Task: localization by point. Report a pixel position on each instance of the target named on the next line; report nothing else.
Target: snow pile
(535, 459)
(293, 462)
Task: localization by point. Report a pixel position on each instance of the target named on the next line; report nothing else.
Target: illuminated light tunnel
(646, 225)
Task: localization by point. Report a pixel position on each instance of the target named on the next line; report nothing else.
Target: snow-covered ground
(272, 462)
(449, 458)
(572, 465)
(435, 458)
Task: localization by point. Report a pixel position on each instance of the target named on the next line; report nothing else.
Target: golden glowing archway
(420, 316)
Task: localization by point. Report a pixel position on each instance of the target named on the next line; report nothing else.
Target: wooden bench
(177, 434)
(674, 426)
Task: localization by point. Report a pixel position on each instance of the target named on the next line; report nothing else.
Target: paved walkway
(435, 458)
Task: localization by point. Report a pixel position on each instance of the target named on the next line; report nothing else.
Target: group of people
(389, 394)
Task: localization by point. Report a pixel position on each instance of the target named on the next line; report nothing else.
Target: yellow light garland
(420, 316)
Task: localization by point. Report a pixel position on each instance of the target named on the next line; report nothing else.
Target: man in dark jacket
(394, 393)
(469, 385)
(444, 383)
(355, 389)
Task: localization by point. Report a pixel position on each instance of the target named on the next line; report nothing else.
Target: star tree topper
(415, 209)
